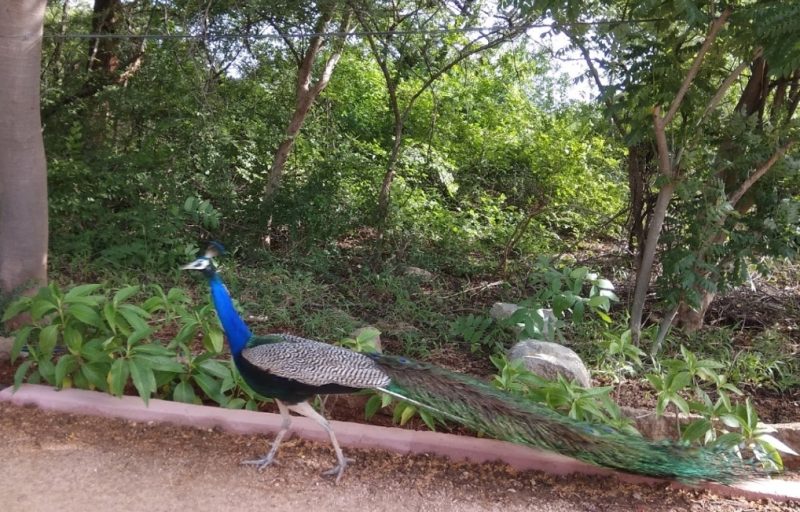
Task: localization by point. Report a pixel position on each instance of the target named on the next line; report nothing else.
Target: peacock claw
(260, 464)
(338, 469)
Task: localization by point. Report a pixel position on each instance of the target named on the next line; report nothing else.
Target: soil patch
(70, 462)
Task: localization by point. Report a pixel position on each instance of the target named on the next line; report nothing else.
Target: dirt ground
(53, 461)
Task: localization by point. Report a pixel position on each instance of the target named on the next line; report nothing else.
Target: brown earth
(56, 461)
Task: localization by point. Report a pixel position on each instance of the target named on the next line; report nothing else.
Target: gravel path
(53, 461)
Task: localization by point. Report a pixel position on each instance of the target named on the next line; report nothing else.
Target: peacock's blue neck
(235, 329)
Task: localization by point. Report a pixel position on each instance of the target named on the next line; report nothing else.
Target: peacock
(291, 370)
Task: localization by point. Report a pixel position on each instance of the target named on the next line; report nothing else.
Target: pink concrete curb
(353, 435)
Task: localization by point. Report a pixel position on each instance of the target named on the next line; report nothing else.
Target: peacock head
(204, 262)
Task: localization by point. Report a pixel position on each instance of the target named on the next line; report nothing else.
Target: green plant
(593, 405)
(568, 293)
(692, 377)
(753, 435)
(621, 352)
(94, 339)
(481, 332)
(365, 341)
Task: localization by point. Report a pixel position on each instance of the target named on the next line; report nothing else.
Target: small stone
(420, 273)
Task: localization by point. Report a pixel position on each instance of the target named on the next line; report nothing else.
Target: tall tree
(402, 39)
(331, 17)
(23, 173)
(668, 75)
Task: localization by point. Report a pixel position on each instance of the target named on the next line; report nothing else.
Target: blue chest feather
(232, 323)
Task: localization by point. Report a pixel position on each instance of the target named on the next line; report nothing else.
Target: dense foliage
(180, 148)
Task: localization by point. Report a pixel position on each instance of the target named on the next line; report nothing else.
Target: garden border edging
(355, 435)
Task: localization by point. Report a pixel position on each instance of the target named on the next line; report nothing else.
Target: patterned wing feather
(316, 364)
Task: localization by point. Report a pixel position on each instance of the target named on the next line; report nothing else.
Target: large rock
(548, 360)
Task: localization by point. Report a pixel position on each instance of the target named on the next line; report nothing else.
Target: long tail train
(485, 409)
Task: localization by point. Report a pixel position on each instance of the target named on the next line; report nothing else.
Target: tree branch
(726, 84)
(761, 171)
(713, 30)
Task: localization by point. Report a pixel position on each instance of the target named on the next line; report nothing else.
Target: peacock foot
(338, 469)
(261, 463)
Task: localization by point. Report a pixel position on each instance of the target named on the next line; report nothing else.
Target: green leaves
(96, 339)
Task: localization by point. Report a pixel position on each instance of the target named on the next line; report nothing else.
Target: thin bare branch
(713, 30)
(761, 171)
(726, 84)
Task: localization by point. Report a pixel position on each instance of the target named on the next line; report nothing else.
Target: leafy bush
(593, 405)
(689, 384)
(91, 338)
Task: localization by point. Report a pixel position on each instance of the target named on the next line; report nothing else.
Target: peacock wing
(316, 364)
(265, 339)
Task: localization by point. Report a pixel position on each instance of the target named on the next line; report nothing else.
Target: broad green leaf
(235, 403)
(153, 349)
(136, 310)
(19, 375)
(85, 314)
(681, 404)
(67, 364)
(208, 384)
(138, 335)
(428, 419)
(696, 429)
(776, 443)
(187, 332)
(656, 381)
(577, 312)
(19, 341)
(134, 319)
(124, 294)
(81, 290)
(184, 392)
(47, 370)
(215, 368)
(92, 301)
(604, 284)
(600, 302)
(161, 363)
(16, 307)
(47, 340)
(73, 339)
(661, 406)
(96, 374)
(110, 315)
(729, 440)
(41, 307)
(143, 379)
(372, 406)
(730, 420)
(679, 381)
(215, 341)
(118, 376)
(407, 414)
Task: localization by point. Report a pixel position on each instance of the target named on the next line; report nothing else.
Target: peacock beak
(198, 264)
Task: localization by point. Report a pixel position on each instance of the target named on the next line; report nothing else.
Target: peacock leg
(305, 409)
(269, 458)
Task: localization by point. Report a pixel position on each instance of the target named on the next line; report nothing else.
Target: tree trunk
(23, 171)
(307, 92)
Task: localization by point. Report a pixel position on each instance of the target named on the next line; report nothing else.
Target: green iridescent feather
(500, 415)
